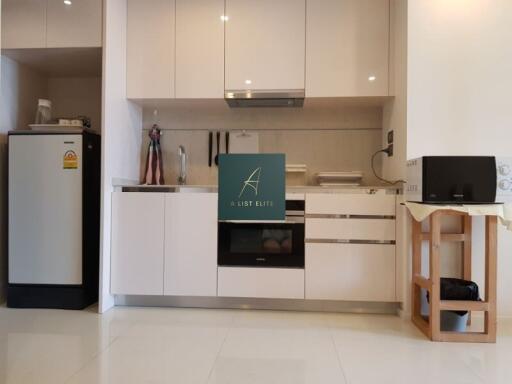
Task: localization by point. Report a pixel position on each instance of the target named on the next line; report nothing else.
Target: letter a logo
(252, 182)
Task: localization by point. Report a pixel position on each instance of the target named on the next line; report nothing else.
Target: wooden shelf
(455, 305)
(446, 236)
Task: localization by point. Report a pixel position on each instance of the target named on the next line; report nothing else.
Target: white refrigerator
(53, 184)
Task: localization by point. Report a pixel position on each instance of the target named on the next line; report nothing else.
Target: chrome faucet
(182, 178)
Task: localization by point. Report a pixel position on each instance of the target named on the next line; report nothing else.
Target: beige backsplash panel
(320, 150)
(316, 114)
(326, 135)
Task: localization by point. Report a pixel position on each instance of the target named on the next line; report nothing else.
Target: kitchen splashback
(320, 150)
(324, 136)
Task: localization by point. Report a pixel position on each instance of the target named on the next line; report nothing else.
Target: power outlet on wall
(390, 150)
(391, 137)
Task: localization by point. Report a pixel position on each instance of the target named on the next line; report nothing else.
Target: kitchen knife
(210, 148)
(218, 149)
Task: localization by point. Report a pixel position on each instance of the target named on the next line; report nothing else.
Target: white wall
(395, 110)
(76, 96)
(395, 118)
(459, 77)
(121, 127)
(21, 88)
(458, 92)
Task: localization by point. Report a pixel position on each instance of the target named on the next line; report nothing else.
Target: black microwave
(455, 179)
(264, 244)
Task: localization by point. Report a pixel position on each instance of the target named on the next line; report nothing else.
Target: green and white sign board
(252, 186)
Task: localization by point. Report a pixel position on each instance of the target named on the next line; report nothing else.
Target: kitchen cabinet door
(23, 23)
(78, 24)
(199, 49)
(137, 259)
(350, 272)
(190, 244)
(150, 55)
(265, 44)
(347, 48)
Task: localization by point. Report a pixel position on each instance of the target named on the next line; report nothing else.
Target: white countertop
(289, 189)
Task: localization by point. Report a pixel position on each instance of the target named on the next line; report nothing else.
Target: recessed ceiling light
(224, 17)
(372, 78)
(248, 82)
(67, 2)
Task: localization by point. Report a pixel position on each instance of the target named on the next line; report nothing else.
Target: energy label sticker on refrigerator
(70, 160)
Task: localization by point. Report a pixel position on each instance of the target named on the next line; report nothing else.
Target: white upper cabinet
(51, 23)
(347, 48)
(78, 24)
(23, 23)
(150, 49)
(265, 44)
(199, 49)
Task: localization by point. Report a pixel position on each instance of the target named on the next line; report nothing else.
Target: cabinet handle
(351, 241)
(342, 216)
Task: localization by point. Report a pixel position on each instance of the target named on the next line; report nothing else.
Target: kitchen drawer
(350, 229)
(274, 283)
(350, 204)
(350, 272)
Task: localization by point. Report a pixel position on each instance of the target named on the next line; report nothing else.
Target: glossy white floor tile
(166, 345)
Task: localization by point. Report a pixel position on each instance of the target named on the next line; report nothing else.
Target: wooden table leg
(491, 250)
(435, 275)
(466, 251)
(416, 268)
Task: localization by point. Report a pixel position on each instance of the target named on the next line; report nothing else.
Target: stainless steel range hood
(265, 98)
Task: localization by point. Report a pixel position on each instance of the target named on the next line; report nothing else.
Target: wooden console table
(431, 326)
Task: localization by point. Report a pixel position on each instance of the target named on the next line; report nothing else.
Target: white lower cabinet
(137, 258)
(190, 244)
(270, 283)
(351, 272)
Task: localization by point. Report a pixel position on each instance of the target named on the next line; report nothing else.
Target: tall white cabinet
(265, 44)
(199, 49)
(347, 48)
(150, 49)
(190, 244)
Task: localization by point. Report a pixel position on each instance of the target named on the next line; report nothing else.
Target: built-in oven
(264, 244)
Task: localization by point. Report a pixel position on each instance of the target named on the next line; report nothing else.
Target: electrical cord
(386, 151)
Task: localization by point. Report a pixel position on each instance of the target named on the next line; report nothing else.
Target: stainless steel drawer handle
(349, 241)
(340, 216)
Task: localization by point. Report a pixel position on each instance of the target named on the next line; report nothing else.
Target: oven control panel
(504, 182)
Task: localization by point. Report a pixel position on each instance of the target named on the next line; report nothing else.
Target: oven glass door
(261, 244)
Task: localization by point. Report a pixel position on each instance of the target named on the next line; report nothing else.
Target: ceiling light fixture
(248, 82)
(372, 78)
(67, 2)
(224, 18)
